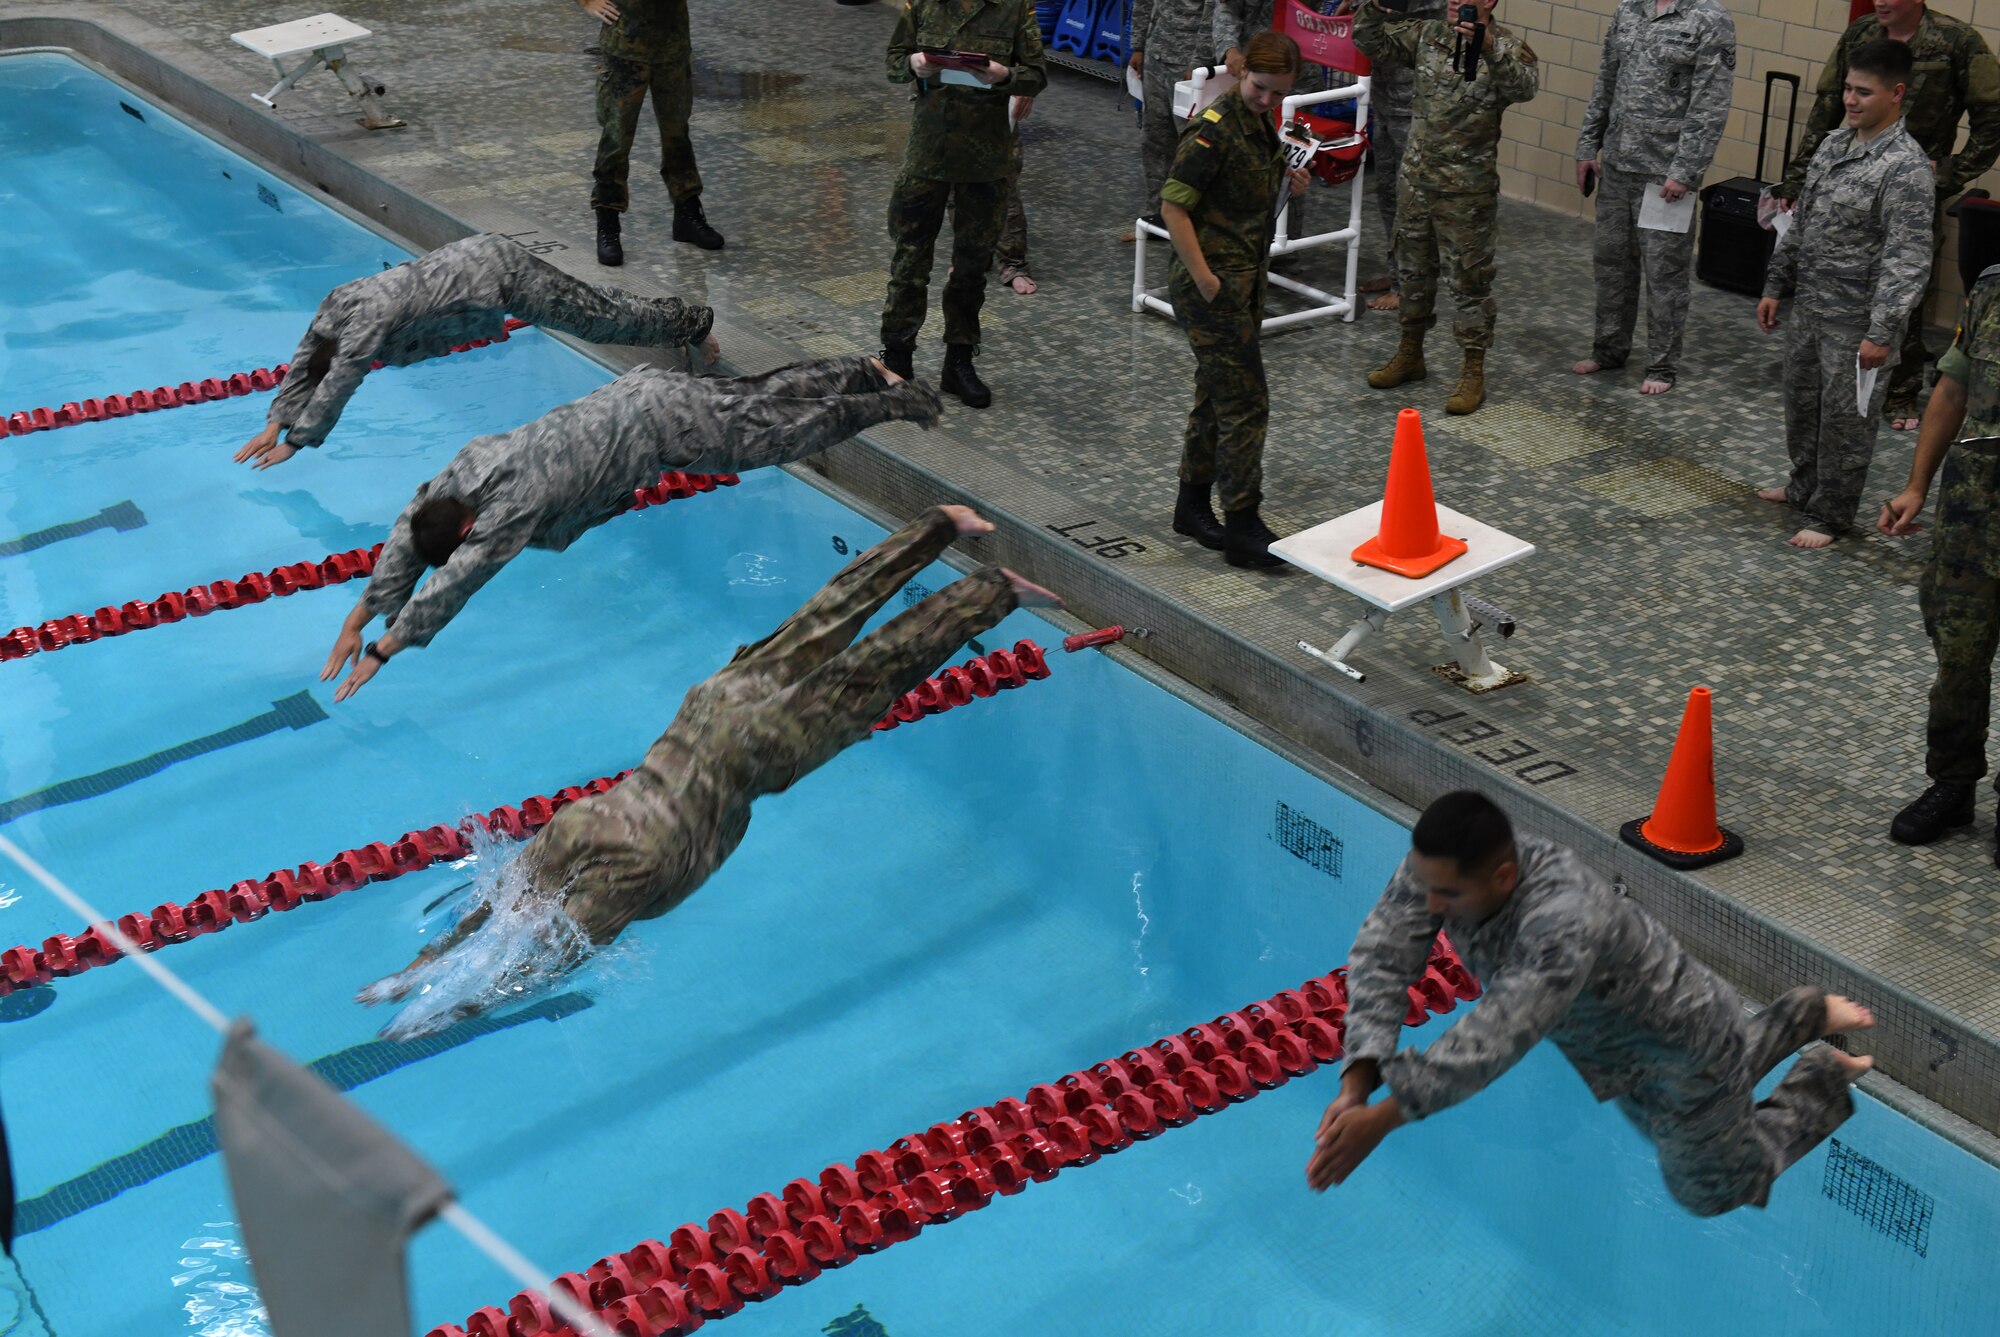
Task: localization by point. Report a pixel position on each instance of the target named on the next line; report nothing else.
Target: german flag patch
(1204, 143)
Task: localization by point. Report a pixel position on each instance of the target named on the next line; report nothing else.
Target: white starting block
(1327, 551)
(320, 40)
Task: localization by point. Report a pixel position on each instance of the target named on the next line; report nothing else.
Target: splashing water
(218, 1304)
(1139, 943)
(753, 568)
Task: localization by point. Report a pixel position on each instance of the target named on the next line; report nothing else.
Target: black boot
(691, 224)
(1194, 517)
(610, 251)
(960, 379)
(1932, 813)
(1246, 539)
(900, 358)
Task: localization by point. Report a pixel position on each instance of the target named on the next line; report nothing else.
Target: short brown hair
(1272, 52)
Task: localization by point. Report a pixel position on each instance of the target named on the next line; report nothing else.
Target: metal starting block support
(1327, 551)
(321, 40)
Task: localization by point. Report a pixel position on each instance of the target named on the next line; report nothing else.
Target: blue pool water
(945, 915)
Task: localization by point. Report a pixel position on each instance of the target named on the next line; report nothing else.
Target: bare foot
(967, 520)
(1653, 385)
(887, 375)
(1027, 594)
(1844, 1014)
(1810, 538)
(1022, 284)
(1374, 285)
(1388, 301)
(1903, 424)
(1586, 367)
(1775, 494)
(1854, 1065)
(1129, 235)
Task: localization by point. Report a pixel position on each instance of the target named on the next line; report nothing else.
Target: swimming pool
(947, 914)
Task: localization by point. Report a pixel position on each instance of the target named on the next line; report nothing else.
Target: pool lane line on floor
(122, 517)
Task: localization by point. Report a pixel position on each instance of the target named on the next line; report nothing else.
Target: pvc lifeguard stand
(1331, 550)
(308, 44)
(1328, 43)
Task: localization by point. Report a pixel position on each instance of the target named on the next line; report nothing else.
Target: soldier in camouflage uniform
(1960, 590)
(423, 309)
(956, 161)
(780, 709)
(544, 485)
(1449, 203)
(1856, 258)
(1392, 104)
(1955, 76)
(1656, 114)
(1218, 204)
(1562, 957)
(1169, 38)
(645, 48)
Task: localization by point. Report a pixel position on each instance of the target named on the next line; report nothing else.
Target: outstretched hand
(366, 667)
(266, 449)
(1347, 1139)
(346, 650)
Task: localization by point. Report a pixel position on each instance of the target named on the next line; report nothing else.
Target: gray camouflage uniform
(459, 292)
(1857, 257)
(1642, 1022)
(1175, 37)
(545, 484)
(1656, 114)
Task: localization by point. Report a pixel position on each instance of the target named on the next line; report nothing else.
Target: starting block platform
(297, 48)
(1327, 551)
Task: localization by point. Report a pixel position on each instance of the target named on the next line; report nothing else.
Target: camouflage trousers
(1621, 251)
(1906, 378)
(917, 212)
(1830, 444)
(782, 416)
(1434, 231)
(622, 87)
(1224, 445)
(1960, 598)
(1011, 251)
(1387, 137)
(549, 299)
(780, 709)
(1720, 1147)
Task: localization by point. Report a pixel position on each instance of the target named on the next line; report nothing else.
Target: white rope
(475, 1231)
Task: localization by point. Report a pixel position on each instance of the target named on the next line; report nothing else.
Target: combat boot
(900, 358)
(1471, 392)
(958, 377)
(691, 224)
(1195, 517)
(610, 250)
(1407, 365)
(1932, 813)
(1247, 540)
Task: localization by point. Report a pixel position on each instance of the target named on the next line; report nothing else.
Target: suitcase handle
(1764, 123)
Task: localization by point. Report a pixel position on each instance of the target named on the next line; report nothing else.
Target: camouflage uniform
(1955, 76)
(783, 707)
(956, 159)
(1656, 114)
(647, 50)
(1227, 176)
(1449, 201)
(1857, 256)
(1391, 100)
(1960, 590)
(1233, 23)
(545, 484)
(459, 292)
(1641, 1021)
(1012, 249)
(1174, 35)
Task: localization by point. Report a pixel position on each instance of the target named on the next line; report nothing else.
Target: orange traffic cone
(1681, 831)
(1408, 542)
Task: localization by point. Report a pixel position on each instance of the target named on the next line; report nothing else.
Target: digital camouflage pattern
(1174, 34)
(1829, 444)
(457, 293)
(1438, 232)
(648, 50)
(1454, 146)
(545, 484)
(1641, 1021)
(959, 133)
(1662, 91)
(1232, 23)
(1621, 252)
(917, 210)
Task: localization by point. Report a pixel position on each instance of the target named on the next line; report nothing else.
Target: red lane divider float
(978, 677)
(257, 586)
(175, 396)
(710, 1271)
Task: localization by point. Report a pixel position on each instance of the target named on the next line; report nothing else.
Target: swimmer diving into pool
(778, 710)
(1563, 957)
(423, 309)
(545, 484)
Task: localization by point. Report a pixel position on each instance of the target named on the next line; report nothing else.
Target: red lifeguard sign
(1327, 41)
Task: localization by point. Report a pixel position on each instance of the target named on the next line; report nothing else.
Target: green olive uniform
(647, 50)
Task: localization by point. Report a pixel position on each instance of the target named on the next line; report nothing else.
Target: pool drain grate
(1306, 839)
(1891, 1205)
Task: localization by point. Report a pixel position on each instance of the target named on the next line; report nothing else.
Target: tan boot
(1407, 365)
(1471, 392)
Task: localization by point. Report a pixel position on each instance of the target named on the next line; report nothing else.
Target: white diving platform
(298, 48)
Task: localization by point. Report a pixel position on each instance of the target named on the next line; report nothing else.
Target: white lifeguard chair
(322, 39)
(1326, 41)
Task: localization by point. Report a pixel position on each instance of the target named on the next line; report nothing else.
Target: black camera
(1465, 51)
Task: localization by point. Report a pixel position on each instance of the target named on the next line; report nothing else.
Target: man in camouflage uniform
(1656, 114)
(1954, 76)
(1449, 204)
(645, 48)
(423, 309)
(956, 160)
(1392, 104)
(1960, 590)
(780, 709)
(545, 484)
(1169, 38)
(1562, 957)
(1856, 258)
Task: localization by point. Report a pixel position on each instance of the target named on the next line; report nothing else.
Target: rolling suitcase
(1732, 249)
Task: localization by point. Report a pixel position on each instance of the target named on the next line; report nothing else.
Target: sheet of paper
(1656, 215)
(1781, 223)
(950, 76)
(1864, 385)
(1134, 85)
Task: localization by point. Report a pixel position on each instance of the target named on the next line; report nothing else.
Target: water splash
(1139, 943)
(1190, 1195)
(221, 1300)
(753, 568)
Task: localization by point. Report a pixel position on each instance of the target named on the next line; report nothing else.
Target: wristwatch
(374, 652)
